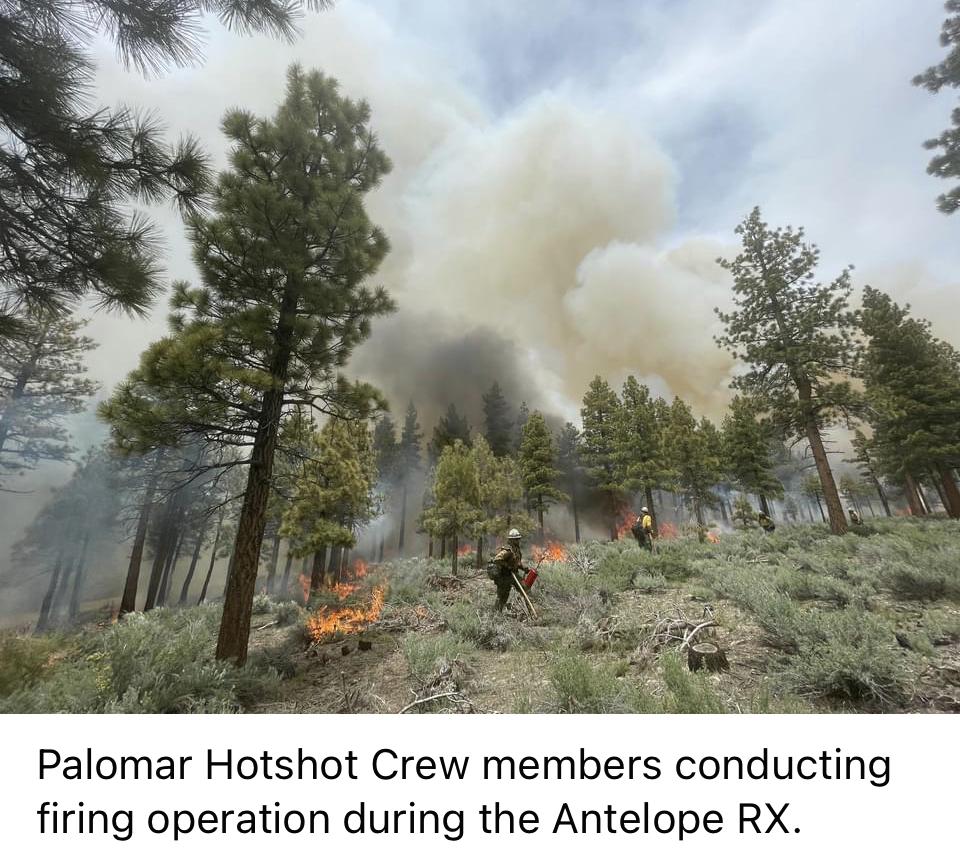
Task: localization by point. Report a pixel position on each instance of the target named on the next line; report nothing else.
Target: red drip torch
(531, 577)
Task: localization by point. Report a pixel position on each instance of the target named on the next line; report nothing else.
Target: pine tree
(497, 423)
(640, 443)
(41, 383)
(70, 170)
(568, 462)
(796, 335)
(946, 165)
(451, 427)
(695, 452)
(335, 493)
(284, 258)
(748, 439)
(500, 495)
(523, 415)
(600, 415)
(864, 450)
(539, 468)
(387, 452)
(743, 513)
(408, 463)
(456, 491)
(912, 382)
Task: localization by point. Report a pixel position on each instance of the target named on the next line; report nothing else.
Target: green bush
(162, 661)
(847, 654)
(23, 660)
(429, 654)
(580, 686)
(407, 579)
(288, 613)
(262, 604)
(481, 628)
(687, 692)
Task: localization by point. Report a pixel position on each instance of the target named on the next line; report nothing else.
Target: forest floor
(868, 622)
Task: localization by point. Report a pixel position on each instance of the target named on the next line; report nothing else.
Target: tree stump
(364, 646)
(706, 655)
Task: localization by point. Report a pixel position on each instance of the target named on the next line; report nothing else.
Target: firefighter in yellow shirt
(643, 529)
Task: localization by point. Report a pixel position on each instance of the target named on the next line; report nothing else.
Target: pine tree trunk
(274, 559)
(923, 498)
(381, 549)
(316, 570)
(285, 582)
(648, 495)
(213, 559)
(701, 524)
(194, 559)
(838, 521)
(883, 497)
(128, 601)
(540, 517)
(167, 580)
(723, 512)
(479, 557)
(430, 547)
(333, 568)
(344, 565)
(576, 515)
(60, 597)
(913, 495)
(938, 485)
(160, 557)
(950, 491)
(443, 547)
(403, 518)
(78, 578)
(764, 506)
(43, 621)
(455, 552)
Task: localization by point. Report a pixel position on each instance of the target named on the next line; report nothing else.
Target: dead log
(706, 655)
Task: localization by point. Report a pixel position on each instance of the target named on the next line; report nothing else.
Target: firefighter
(505, 568)
(643, 529)
(766, 522)
(855, 518)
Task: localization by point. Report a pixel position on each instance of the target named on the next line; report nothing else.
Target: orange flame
(359, 568)
(327, 621)
(464, 550)
(625, 521)
(553, 552)
(713, 537)
(305, 586)
(667, 531)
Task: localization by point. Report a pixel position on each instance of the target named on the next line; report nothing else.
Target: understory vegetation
(869, 621)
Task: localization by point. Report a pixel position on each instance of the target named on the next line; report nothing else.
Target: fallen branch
(440, 696)
(266, 626)
(688, 638)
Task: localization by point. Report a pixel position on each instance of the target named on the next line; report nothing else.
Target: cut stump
(707, 655)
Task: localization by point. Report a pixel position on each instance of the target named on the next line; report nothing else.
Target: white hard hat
(644, 509)
(513, 534)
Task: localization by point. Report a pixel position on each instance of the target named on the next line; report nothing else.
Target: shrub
(848, 654)
(262, 604)
(579, 686)
(687, 692)
(288, 613)
(23, 660)
(162, 661)
(407, 579)
(481, 628)
(428, 655)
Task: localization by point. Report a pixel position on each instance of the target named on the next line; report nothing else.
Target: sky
(566, 173)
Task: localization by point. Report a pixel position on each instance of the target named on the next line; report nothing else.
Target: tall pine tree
(538, 464)
(797, 337)
(497, 423)
(912, 382)
(408, 464)
(600, 415)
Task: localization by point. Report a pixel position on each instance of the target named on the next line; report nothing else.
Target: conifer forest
(364, 358)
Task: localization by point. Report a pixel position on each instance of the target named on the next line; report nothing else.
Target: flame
(713, 537)
(305, 586)
(330, 621)
(626, 520)
(359, 568)
(341, 591)
(553, 552)
(667, 531)
(464, 550)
